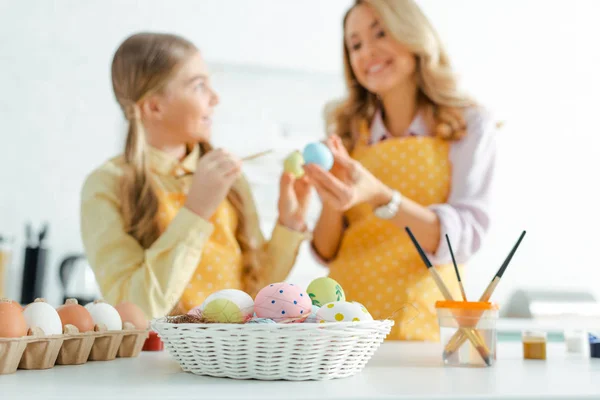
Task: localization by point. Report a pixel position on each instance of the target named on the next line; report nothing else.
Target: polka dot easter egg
(343, 311)
(282, 302)
(318, 153)
(325, 290)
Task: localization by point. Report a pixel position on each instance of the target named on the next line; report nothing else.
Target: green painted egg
(325, 290)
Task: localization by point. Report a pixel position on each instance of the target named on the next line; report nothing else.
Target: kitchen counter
(401, 370)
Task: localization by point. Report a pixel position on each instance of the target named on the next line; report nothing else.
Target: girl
(171, 220)
(410, 150)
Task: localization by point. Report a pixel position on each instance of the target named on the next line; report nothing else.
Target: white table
(397, 371)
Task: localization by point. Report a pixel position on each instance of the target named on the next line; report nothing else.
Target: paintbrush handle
(462, 291)
(440, 284)
(490, 289)
(257, 155)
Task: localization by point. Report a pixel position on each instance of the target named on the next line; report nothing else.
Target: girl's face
(181, 113)
(379, 62)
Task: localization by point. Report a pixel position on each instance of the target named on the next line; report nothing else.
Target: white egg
(343, 311)
(242, 299)
(105, 314)
(44, 316)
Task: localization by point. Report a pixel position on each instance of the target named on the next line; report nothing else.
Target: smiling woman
(172, 220)
(410, 150)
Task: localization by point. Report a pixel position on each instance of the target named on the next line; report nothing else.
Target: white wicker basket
(296, 352)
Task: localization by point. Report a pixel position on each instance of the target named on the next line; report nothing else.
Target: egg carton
(41, 351)
(76, 346)
(38, 351)
(11, 352)
(133, 341)
(124, 343)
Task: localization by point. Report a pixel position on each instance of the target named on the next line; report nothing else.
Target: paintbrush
(462, 288)
(458, 339)
(257, 155)
(476, 340)
(246, 158)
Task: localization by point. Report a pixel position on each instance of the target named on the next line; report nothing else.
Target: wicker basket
(295, 352)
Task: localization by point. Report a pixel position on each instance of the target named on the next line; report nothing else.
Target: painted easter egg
(325, 290)
(228, 306)
(312, 318)
(318, 153)
(293, 164)
(343, 311)
(282, 302)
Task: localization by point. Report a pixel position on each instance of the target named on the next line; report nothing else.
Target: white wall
(534, 62)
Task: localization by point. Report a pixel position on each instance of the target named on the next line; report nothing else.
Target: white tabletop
(397, 371)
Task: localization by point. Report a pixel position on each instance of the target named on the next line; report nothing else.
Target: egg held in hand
(318, 153)
(293, 164)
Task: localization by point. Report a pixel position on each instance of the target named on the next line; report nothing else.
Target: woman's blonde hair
(142, 65)
(437, 84)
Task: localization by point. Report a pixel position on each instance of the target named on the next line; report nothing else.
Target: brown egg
(12, 321)
(130, 312)
(74, 314)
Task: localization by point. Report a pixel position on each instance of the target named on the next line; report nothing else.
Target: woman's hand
(348, 183)
(294, 196)
(215, 174)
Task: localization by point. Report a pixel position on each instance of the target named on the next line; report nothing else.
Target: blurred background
(534, 63)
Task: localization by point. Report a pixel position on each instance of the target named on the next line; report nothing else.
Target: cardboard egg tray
(38, 351)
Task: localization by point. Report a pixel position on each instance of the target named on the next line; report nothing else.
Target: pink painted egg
(283, 302)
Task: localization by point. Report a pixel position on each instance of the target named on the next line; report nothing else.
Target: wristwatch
(389, 210)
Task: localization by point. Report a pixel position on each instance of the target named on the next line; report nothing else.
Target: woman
(171, 221)
(410, 150)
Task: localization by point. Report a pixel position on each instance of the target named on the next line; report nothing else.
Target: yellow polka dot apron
(377, 264)
(220, 266)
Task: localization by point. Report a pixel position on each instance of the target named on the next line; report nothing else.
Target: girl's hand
(215, 174)
(294, 196)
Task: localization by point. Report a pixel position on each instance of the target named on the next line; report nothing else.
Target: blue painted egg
(318, 153)
(312, 318)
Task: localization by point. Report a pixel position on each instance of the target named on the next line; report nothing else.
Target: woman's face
(183, 109)
(379, 62)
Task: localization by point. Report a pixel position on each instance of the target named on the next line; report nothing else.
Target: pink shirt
(465, 217)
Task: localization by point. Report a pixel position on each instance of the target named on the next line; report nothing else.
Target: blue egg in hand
(318, 153)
